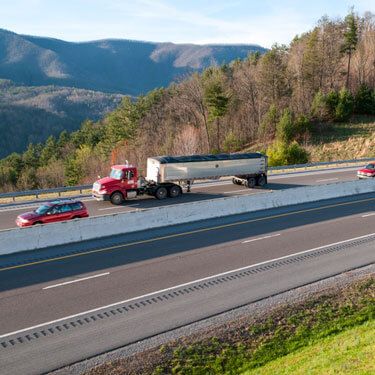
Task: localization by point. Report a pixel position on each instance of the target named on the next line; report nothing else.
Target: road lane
(157, 264)
(200, 192)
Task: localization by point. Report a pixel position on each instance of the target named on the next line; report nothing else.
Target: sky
(262, 22)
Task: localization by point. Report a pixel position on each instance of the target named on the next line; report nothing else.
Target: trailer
(170, 176)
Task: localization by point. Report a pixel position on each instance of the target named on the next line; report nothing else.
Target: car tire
(37, 223)
(117, 198)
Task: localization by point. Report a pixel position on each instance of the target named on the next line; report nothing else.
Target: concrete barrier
(15, 240)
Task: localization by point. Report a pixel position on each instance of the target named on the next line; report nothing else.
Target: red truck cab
(121, 184)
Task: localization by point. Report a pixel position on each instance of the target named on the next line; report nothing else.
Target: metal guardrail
(80, 188)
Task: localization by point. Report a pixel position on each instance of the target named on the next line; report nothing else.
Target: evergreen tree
(350, 41)
(285, 131)
(217, 101)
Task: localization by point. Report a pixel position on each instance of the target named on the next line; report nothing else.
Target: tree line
(272, 101)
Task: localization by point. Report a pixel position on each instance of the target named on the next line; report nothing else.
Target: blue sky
(261, 22)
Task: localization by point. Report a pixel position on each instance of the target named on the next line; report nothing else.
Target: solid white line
(262, 238)
(180, 286)
(367, 215)
(327, 179)
(76, 281)
(115, 207)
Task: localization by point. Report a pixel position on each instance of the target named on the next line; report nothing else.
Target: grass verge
(349, 352)
(250, 343)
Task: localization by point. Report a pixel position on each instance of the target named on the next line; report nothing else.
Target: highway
(210, 190)
(99, 295)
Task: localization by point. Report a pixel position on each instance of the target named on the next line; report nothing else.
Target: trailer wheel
(117, 198)
(261, 181)
(161, 192)
(174, 191)
(251, 182)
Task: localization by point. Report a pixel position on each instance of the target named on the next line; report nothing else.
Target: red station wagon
(53, 211)
(367, 172)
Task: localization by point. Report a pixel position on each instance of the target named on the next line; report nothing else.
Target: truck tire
(161, 192)
(117, 198)
(261, 181)
(251, 181)
(174, 191)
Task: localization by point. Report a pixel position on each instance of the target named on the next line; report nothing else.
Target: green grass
(249, 347)
(350, 352)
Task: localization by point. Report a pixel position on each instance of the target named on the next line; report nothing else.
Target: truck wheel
(251, 182)
(261, 181)
(174, 191)
(117, 198)
(161, 192)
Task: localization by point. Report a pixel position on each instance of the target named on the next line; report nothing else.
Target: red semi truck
(169, 176)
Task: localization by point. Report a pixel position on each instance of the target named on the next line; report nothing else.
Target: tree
(217, 101)
(267, 128)
(345, 105)
(364, 100)
(285, 131)
(350, 41)
(49, 151)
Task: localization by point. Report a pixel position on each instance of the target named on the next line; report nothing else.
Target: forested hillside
(276, 102)
(32, 114)
(122, 66)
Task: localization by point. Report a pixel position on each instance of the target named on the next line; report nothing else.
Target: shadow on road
(87, 262)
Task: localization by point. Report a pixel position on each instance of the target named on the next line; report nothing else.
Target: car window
(65, 208)
(76, 206)
(129, 175)
(370, 166)
(55, 210)
(42, 209)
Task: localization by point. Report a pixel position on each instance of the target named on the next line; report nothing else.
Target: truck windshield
(117, 174)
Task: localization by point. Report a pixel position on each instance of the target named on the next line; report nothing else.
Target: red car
(367, 172)
(53, 211)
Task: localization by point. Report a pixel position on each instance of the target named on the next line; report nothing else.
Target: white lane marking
(235, 191)
(370, 214)
(327, 179)
(262, 238)
(181, 285)
(76, 280)
(116, 207)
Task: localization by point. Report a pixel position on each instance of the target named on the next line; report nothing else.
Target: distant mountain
(121, 66)
(31, 114)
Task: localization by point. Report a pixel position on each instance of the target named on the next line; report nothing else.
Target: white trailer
(249, 169)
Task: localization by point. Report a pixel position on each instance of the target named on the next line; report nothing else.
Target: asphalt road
(157, 280)
(199, 192)
(41, 286)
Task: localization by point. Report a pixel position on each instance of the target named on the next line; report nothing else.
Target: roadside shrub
(285, 130)
(283, 154)
(345, 105)
(364, 101)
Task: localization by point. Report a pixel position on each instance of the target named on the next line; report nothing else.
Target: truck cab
(121, 184)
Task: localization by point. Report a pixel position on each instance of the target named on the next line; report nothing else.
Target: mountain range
(48, 85)
(109, 65)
